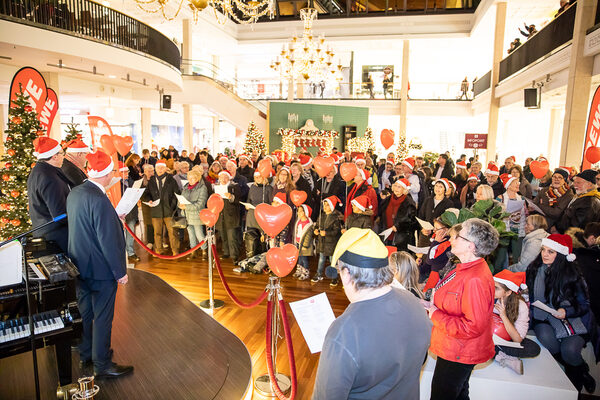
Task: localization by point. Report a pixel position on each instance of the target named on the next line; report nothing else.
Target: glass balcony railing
(92, 21)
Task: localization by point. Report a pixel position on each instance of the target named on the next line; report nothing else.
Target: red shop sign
(475, 140)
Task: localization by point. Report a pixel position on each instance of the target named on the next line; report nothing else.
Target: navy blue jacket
(47, 191)
(96, 241)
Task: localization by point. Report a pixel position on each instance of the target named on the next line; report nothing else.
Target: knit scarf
(554, 194)
(212, 175)
(392, 209)
(192, 186)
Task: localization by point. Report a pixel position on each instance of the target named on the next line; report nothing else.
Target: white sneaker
(237, 270)
(514, 363)
(149, 245)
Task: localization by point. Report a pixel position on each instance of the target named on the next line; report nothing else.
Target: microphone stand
(22, 238)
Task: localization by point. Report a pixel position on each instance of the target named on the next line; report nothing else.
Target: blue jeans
(322, 259)
(303, 261)
(196, 234)
(129, 239)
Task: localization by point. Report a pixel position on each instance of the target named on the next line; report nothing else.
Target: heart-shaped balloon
(323, 165)
(592, 154)
(282, 260)
(272, 219)
(208, 217)
(387, 138)
(298, 197)
(348, 171)
(498, 327)
(108, 144)
(264, 167)
(539, 168)
(123, 144)
(215, 204)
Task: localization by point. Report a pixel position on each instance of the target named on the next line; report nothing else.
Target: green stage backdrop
(294, 115)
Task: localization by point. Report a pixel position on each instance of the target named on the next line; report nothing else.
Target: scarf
(213, 176)
(392, 209)
(193, 186)
(553, 194)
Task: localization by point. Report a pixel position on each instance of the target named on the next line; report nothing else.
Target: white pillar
(146, 123)
(291, 89)
(554, 136)
(215, 62)
(215, 143)
(55, 131)
(186, 53)
(188, 127)
(404, 87)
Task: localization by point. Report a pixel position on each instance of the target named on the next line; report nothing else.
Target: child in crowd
(303, 239)
(328, 232)
(437, 255)
(406, 273)
(450, 263)
(511, 321)
(362, 211)
(279, 240)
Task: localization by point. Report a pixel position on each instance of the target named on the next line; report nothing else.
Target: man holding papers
(375, 349)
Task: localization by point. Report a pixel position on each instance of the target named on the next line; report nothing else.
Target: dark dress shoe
(83, 364)
(134, 257)
(114, 371)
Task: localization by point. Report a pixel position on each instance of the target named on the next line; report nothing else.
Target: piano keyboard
(19, 328)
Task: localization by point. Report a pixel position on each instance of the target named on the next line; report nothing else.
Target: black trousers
(530, 349)
(96, 300)
(450, 380)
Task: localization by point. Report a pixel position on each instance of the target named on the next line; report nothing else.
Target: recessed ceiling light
(112, 76)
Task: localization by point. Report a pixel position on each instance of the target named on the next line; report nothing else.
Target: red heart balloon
(272, 219)
(387, 138)
(264, 167)
(282, 260)
(498, 327)
(592, 154)
(123, 144)
(108, 144)
(208, 217)
(323, 165)
(348, 171)
(215, 204)
(298, 197)
(539, 168)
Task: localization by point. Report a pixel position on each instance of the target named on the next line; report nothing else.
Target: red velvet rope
(164, 257)
(290, 349)
(237, 301)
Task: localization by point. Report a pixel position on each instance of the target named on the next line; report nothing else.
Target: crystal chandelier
(307, 56)
(243, 12)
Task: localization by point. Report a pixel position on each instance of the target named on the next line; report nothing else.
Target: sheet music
(425, 225)
(314, 316)
(544, 307)
(128, 200)
(221, 190)
(498, 341)
(531, 204)
(181, 199)
(154, 204)
(247, 205)
(418, 250)
(137, 184)
(386, 233)
(183, 182)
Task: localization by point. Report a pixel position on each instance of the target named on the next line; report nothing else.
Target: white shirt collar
(99, 185)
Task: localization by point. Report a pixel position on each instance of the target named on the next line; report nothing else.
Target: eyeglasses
(463, 238)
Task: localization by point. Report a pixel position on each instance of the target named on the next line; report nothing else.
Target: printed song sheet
(425, 225)
(128, 201)
(181, 199)
(314, 316)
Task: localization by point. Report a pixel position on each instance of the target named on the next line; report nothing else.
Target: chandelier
(307, 56)
(243, 12)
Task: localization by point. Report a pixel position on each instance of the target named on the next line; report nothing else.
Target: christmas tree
(370, 140)
(255, 140)
(23, 128)
(72, 133)
(402, 150)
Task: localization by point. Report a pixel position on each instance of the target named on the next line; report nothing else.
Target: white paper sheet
(247, 205)
(544, 307)
(113, 182)
(181, 199)
(418, 250)
(498, 341)
(425, 225)
(220, 189)
(184, 182)
(314, 316)
(514, 206)
(157, 202)
(386, 233)
(535, 208)
(137, 184)
(128, 200)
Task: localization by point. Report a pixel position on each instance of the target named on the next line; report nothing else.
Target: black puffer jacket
(404, 221)
(332, 225)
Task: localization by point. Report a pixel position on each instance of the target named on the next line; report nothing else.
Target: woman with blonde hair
(406, 273)
(535, 232)
(213, 172)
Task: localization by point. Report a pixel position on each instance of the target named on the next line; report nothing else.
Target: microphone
(58, 218)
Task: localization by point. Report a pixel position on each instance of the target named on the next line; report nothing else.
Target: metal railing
(93, 21)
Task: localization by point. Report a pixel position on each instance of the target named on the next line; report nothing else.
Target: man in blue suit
(97, 247)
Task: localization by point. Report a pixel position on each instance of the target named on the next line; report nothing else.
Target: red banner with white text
(593, 129)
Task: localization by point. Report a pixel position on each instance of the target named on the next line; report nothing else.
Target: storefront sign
(475, 140)
(593, 128)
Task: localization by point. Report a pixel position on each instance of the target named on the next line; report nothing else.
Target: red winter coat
(462, 324)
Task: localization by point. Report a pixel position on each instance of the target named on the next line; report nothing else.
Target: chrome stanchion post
(211, 303)
(262, 384)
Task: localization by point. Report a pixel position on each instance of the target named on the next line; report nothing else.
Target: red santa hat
(122, 167)
(223, 157)
(99, 164)
(461, 164)
(444, 182)
(507, 180)
(362, 202)
(247, 159)
(562, 244)
(232, 162)
(332, 201)
(77, 146)
(512, 280)
(305, 160)
(336, 159)
(280, 198)
(404, 183)
(360, 158)
(473, 177)
(513, 158)
(409, 162)
(162, 161)
(225, 172)
(492, 169)
(45, 147)
(364, 173)
(451, 184)
(307, 210)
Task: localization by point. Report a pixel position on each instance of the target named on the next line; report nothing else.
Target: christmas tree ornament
(11, 152)
(16, 120)
(15, 222)
(6, 177)
(15, 193)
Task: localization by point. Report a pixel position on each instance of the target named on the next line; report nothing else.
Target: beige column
(300, 87)
(554, 136)
(3, 119)
(146, 123)
(291, 89)
(186, 51)
(495, 102)
(578, 87)
(52, 82)
(215, 141)
(404, 87)
(215, 68)
(188, 127)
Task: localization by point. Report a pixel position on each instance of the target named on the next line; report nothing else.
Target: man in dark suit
(47, 190)
(147, 158)
(443, 168)
(97, 247)
(74, 165)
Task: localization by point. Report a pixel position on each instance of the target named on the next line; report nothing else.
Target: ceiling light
(112, 76)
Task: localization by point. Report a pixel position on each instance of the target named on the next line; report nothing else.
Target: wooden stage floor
(190, 279)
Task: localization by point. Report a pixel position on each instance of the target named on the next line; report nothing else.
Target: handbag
(179, 222)
(564, 328)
